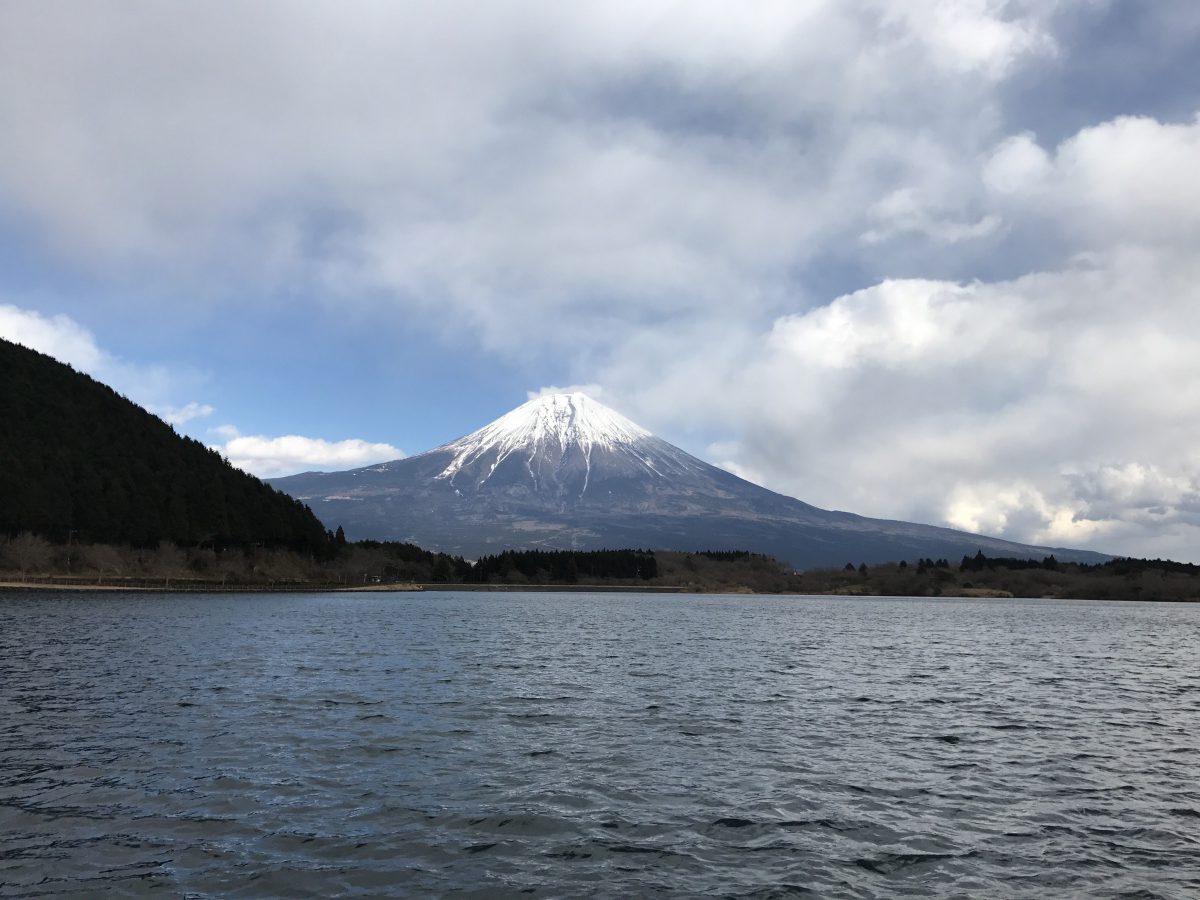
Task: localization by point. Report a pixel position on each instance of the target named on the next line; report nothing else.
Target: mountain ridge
(80, 463)
(563, 471)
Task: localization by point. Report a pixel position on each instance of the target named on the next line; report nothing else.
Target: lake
(607, 745)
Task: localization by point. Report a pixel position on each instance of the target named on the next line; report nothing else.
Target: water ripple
(601, 745)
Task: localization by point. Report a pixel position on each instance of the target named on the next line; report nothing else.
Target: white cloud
(725, 454)
(1131, 179)
(57, 336)
(897, 324)
(593, 390)
(1137, 491)
(1017, 165)
(1018, 507)
(968, 35)
(665, 157)
(271, 457)
(64, 339)
(179, 415)
(1058, 407)
(904, 211)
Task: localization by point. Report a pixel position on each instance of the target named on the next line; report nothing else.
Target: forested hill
(80, 462)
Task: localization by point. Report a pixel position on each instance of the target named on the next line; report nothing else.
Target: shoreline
(146, 586)
(181, 586)
(89, 587)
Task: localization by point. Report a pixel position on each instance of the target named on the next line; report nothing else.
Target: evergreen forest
(79, 463)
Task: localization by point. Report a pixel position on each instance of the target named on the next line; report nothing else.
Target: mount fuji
(563, 471)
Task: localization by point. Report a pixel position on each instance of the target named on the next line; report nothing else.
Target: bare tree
(103, 558)
(169, 560)
(27, 553)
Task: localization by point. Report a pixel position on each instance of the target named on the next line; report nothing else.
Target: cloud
(180, 415)
(1059, 407)
(905, 212)
(272, 457)
(593, 390)
(64, 339)
(57, 336)
(1018, 165)
(664, 158)
(1131, 179)
(822, 238)
(971, 35)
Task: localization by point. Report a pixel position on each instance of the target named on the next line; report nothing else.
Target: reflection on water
(608, 745)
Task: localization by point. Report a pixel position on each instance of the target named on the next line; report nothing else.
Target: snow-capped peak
(558, 420)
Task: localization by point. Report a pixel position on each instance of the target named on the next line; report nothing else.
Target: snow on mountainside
(553, 441)
(562, 419)
(563, 471)
(558, 421)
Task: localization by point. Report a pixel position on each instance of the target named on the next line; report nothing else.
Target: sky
(926, 260)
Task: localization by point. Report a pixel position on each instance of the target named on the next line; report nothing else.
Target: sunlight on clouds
(57, 336)
(1021, 508)
(970, 35)
(1108, 502)
(1128, 179)
(271, 457)
(895, 323)
(984, 508)
(1018, 164)
(918, 399)
(1137, 175)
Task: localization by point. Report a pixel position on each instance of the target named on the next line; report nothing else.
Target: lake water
(603, 745)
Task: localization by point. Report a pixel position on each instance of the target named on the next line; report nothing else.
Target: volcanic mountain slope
(563, 471)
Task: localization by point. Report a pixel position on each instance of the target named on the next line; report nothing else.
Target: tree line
(566, 566)
(31, 557)
(349, 562)
(79, 463)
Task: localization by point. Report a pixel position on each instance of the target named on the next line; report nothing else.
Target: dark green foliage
(79, 462)
(399, 561)
(566, 566)
(923, 564)
(395, 561)
(1138, 566)
(1122, 579)
(979, 562)
(729, 555)
(979, 575)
